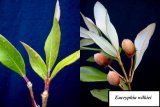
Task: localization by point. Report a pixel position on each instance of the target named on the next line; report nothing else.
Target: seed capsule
(113, 78)
(101, 59)
(128, 47)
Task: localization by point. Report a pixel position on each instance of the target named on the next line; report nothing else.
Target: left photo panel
(39, 53)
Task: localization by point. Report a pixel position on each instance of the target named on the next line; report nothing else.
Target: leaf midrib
(15, 64)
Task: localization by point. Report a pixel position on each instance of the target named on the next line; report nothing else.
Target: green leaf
(52, 45)
(91, 59)
(36, 62)
(104, 24)
(125, 87)
(10, 57)
(120, 50)
(90, 49)
(91, 74)
(101, 94)
(86, 42)
(65, 62)
(103, 44)
(142, 41)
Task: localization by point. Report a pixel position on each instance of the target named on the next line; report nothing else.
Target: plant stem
(122, 67)
(45, 93)
(124, 71)
(131, 71)
(130, 74)
(29, 85)
(129, 86)
(121, 86)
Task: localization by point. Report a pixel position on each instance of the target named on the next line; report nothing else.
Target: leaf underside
(141, 43)
(86, 42)
(104, 24)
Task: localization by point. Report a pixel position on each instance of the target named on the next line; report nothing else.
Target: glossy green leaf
(101, 94)
(91, 74)
(86, 42)
(65, 62)
(103, 44)
(104, 24)
(36, 61)
(52, 45)
(10, 57)
(90, 49)
(91, 59)
(141, 43)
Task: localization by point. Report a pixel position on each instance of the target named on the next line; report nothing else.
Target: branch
(29, 85)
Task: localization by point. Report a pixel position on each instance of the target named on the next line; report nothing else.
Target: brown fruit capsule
(113, 78)
(101, 59)
(128, 47)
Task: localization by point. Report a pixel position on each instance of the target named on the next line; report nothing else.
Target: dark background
(129, 17)
(30, 21)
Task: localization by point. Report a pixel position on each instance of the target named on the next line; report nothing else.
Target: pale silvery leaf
(100, 17)
(112, 35)
(142, 41)
(89, 20)
(57, 11)
(103, 44)
(83, 33)
(103, 22)
(86, 42)
(90, 24)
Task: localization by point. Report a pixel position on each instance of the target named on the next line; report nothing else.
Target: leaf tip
(97, 3)
(21, 42)
(57, 10)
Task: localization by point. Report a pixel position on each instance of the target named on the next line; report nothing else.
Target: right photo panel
(119, 43)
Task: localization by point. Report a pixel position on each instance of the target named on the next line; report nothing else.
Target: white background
(154, 101)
